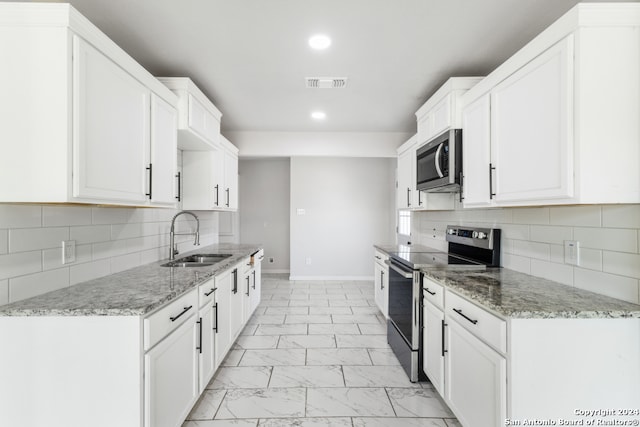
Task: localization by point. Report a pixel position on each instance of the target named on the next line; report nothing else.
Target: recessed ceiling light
(318, 115)
(319, 42)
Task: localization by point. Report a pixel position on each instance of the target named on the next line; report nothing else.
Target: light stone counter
(517, 295)
(133, 292)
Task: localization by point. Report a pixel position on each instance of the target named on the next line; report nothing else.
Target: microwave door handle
(437, 161)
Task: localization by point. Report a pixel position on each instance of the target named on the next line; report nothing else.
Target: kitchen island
(136, 347)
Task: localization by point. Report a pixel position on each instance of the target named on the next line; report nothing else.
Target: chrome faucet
(173, 250)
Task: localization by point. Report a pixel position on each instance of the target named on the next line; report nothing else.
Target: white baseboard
(332, 278)
(266, 271)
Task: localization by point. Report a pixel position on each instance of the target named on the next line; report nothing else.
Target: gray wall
(346, 210)
(264, 209)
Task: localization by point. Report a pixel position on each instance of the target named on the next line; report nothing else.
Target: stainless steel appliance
(468, 248)
(439, 163)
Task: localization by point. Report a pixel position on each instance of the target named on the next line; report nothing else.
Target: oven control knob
(482, 235)
(474, 234)
(451, 231)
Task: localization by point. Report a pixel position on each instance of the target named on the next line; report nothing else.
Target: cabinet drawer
(162, 322)
(380, 256)
(433, 292)
(206, 293)
(478, 321)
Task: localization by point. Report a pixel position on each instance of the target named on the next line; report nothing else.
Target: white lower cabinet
(475, 377)
(433, 342)
(237, 303)
(256, 281)
(171, 378)
(381, 282)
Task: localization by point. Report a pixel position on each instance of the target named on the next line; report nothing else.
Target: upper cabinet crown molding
(198, 118)
(557, 123)
(92, 121)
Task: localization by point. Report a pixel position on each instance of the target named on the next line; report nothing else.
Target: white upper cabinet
(210, 178)
(163, 152)
(79, 114)
(198, 118)
(557, 123)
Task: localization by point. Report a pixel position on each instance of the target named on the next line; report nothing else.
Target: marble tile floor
(315, 354)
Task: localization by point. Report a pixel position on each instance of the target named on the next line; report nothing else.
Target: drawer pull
(206, 294)
(461, 314)
(429, 292)
(173, 319)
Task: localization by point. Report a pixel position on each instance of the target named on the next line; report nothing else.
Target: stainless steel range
(469, 249)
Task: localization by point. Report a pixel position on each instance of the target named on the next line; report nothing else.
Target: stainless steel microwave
(439, 163)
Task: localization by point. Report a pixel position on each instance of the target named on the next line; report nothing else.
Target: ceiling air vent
(326, 82)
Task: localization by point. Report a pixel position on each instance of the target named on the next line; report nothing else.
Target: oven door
(404, 312)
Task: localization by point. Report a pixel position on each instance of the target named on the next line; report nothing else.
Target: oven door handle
(403, 273)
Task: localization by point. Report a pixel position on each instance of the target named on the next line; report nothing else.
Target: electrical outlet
(270, 260)
(68, 251)
(572, 252)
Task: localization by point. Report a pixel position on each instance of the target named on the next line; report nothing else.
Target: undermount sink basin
(198, 260)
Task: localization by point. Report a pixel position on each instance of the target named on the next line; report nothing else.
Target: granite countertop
(394, 249)
(133, 292)
(517, 295)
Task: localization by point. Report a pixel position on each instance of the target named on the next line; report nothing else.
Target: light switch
(572, 252)
(68, 251)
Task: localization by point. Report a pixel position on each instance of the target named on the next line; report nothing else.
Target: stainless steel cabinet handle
(179, 195)
(491, 169)
(429, 292)
(215, 328)
(206, 294)
(150, 169)
(217, 201)
(199, 348)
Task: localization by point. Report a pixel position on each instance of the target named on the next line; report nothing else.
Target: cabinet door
(237, 303)
(110, 129)
(532, 133)
(171, 378)
(197, 116)
(405, 188)
(475, 379)
(381, 292)
(164, 148)
(476, 152)
(256, 286)
(231, 180)
(222, 316)
(433, 353)
(206, 345)
(246, 295)
(441, 117)
(199, 188)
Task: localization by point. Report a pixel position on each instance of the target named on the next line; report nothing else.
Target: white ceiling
(251, 56)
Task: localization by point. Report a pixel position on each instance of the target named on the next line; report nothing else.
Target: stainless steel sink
(198, 260)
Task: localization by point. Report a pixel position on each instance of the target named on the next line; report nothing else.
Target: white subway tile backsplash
(533, 242)
(611, 239)
(624, 288)
(109, 249)
(621, 216)
(107, 240)
(591, 259)
(583, 216)
(90, 234)
(20, 216)
(125, 262)
(89, 270)
(517, 263)
(19, 264)
(532, 250)
(29, 239)
(55, 216)
(126, 231)
(621, 263)
(35, 284)
(110, 215)
(531, 215)
(548, 270)
(551, 234)
(4, 292)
